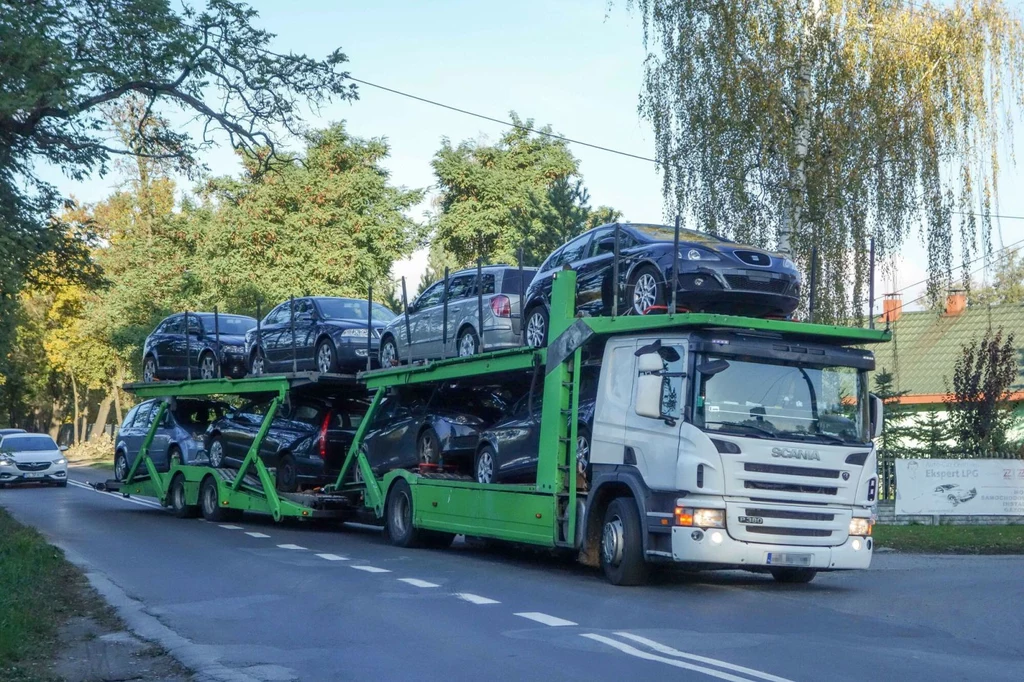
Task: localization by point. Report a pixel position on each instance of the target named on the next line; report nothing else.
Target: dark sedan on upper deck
(172, 352)
(715, 275)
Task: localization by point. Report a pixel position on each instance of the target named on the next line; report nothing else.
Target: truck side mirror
(649, 385)
(875, 409)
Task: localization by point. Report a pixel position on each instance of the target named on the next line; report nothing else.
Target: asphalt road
(262, 601)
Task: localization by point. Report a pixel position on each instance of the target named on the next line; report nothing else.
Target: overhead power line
(966, 265)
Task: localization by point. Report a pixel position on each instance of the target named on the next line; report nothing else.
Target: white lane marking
(416, 582)
(633, 651)
(291, 547)
(332, 557)
(119, 496)
(258, 535)
(669, 651)
(371, 569)
(545, 619)
(230, 527)
(475, 598)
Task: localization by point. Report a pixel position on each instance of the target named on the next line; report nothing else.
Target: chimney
(956, 302)
(892, 306)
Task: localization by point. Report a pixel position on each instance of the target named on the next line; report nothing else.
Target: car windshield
(787, 402)
(665, 233)
(233, 325)
(27, 444)
(352, 309)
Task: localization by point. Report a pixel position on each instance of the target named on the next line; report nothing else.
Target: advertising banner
(971, 487)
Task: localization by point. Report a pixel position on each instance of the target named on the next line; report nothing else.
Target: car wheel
(149, 369)
(216, 452)
(287, 474)
(207, 366)
(428, 447)
(622, 547)
(257, 363)
(326, 357)
(176, 499)
(793, 576)
(484, 466)
(209, 501)
(399, 516)
(120, 466)
(646, 290)
(953, 500)
(536, 334)
(583, 450)
(389, 352)
(468, 343)
(174, 456)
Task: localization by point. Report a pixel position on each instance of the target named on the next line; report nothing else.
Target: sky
(574, 64)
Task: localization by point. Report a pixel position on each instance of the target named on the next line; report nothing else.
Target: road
(262, 601)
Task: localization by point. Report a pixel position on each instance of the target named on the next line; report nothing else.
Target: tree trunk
(102, 416)
(74, 409)
(117, 400)
(55, 420)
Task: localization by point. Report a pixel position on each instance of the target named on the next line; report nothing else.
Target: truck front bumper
(714, 546)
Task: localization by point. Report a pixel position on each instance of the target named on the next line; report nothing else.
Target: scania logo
(795, 453)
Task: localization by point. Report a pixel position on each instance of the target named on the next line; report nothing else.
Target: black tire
(257, 363)
(646, 289)
(389, 352)
(428, 447)
(209, 501)
(622, 545)
(287, 479)
(794, 576)
(469, 338)
(149, 369)
(215, 451)
(583, 445)
(120, 466)
(398, 517)
(535, 331)
(328, 364)
(486, 457)
(174, 456)
(176, 499)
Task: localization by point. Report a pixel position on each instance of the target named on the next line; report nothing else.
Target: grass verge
(40, 590)
(952, 539)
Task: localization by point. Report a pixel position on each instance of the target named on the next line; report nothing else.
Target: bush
(99, 448)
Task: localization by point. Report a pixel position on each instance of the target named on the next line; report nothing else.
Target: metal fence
(887, 468)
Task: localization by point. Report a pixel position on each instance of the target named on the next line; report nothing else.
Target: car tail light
(501, 306)
(323, 434)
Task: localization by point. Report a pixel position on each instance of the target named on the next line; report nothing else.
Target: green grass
(952, 539)
(39, 591)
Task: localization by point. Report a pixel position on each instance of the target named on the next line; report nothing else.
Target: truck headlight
(700, 518)
(860, 527)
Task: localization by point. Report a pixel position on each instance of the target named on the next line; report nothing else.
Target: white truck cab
(741, 449)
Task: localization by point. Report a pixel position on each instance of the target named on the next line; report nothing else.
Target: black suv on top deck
(169, 351)
(715, 275)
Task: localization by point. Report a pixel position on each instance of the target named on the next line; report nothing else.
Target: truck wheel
(399, 516)
(176, 498)
(287, 475)
(793, 575)
(622, 547)
(209, 499)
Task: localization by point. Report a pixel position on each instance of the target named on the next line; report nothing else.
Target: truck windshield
(787, 402)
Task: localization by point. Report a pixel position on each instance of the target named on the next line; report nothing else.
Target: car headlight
(361, 332)
(700, 518)
(5, 460)
(60, 461)
(700, 254)
(860, 527)
(788, 264)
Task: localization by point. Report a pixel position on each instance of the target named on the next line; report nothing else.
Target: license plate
(787, 559)
(33, 475)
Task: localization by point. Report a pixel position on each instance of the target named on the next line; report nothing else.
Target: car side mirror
(606, 245)
(63, 448)
(876, 407)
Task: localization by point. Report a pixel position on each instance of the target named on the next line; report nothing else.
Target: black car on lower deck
(319, 333)
(715, 275)
(171, 352)
(306, 443)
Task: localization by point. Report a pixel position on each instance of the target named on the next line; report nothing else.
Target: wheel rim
(257, 364)
(535, 330)
(400, 513)
(209, 499)
(119, 468)
(324, 359)
(427, 450)
(467, 345)
(388, 354)
(207, 368)
(216, 454)
(612, 542)
(582, 452)
(485, 467)
(287, 473)
(645, 293)
(148, 370)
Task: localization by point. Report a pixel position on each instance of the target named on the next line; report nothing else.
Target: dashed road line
(371, 569)
(141, 503)
(332, 557)
(475, 598)
(545, 619)
(228, 526)
(290, 547)
(416, 582)
(257, 535)
(669, 651)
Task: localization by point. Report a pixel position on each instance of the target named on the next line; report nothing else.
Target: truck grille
(790, 488)
(790, 471)
(32, 466)
(769, 513)
(790, 532)
(785, 524)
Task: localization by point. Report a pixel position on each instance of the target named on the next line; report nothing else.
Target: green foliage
(794, 124)
(437, 260)
(896, 431)
(979, 404)
(932, 436)
(1007, 285)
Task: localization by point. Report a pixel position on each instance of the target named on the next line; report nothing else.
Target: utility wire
(983, 256)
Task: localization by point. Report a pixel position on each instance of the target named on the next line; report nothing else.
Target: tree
(821, 123)
(979, 404)
(437, 260)
(1007, 285)
(895, 430)
(67, 60)
(931, 434)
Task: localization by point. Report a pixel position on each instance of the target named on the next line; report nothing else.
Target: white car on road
(32, 458)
